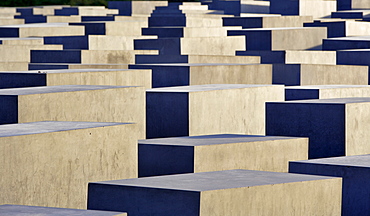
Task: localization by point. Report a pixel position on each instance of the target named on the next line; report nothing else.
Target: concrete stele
(74, 103)
(50, 163)
(219, 152)
(209, 109)
(335, 127)
(355, 171)
(242, 192)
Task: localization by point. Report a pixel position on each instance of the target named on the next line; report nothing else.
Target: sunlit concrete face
(50, 163)
(242, 192)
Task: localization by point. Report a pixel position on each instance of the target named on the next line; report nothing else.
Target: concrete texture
(74, 103)
(316, 74)
(326, 92)
(355, 173)
(315, 8)
(117, 28)
(335, 127)
(287, 38)
(39, 30)
(61, 66)
(342, 28)
(209, 109)
(117, 77)
(50, 163)
(203, 153)
(165, 75)
(242, 192)
(267, 21)
(19, 210)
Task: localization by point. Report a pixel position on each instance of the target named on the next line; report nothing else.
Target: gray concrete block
(317, 74)
(202, 153)
(208, 109)
(335, 127)
(326, 91)
(50, 163)
(19, 210)
(287, 38)
(242, 192)
(355, 171)
(165, 75)
(118, 77)
(74, 103)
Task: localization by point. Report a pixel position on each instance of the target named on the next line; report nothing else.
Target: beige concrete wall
(107, 57)
(50, 30)
(319, 197)
(269, 155)
(98, 66)
(334, 75)
(285, 21)
(103, 42)
(310, 57)
(231, 74)
(125, 28)
(22, 41)
(297, 38)
(224, 59)
(357, 129)
(240, 111)
(13, 66)
(202, 21)
(67, 19)
(350, 91)
(104, 105)
(212, 45)
(359, 4)
(96, 77)
(22, 53)
(146, 7)
(54, 169)
(354, 28)
(317, 8)
(11, 21)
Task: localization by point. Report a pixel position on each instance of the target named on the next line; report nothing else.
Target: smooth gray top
(19, 210)
(212, 140)
(197, 64)
(329, 101)
(218, 180)
(66, 71)
(272, 29)
(327, 86)
(210, 87)
(55, 89)
(352, 161)
(8, 130)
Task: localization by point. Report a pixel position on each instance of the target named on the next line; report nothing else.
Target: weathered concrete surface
(315, 74)
(355, 173)
(74, 103)
(165, 75)
(286, 38)
(242, 192)
(18, 210)
(209, 109)
(50, 163)
(65, 66)
(326, 91)
(335, 127)
(219, 152)
(40, 29)
(117, 77)
(315, 8)
(264, 21)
